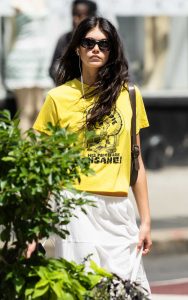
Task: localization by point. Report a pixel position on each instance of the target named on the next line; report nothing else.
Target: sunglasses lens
(104, 45)
(88, 43)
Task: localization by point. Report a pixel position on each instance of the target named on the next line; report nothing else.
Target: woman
(92, 95)
(28, 60)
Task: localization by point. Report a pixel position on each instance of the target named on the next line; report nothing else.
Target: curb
(169, 297)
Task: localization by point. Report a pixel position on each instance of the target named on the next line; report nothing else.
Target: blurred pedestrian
(28, 60)
(81, 9)
(92, 94)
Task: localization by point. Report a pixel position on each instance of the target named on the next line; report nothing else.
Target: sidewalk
(170, 289)
(168, 196)
(169, 297)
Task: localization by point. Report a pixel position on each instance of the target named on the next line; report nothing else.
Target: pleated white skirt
(109, 232)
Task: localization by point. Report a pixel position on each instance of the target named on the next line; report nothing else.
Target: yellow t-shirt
(110, 155)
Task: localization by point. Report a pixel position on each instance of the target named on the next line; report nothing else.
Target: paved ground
(175, 287)
(165, 267)
(168, 191)
(168, 195)
(169, 297)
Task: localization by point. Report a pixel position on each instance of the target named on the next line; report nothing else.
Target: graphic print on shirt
(103, 147)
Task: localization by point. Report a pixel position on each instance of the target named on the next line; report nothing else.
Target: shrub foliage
(33, 172)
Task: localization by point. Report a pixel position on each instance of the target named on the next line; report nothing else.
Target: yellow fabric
(110, 155)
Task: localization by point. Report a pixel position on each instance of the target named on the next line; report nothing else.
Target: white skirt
(109, 232)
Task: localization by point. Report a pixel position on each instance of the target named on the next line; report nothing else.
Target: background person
(81, 9)
(28, 60)
(92, 95)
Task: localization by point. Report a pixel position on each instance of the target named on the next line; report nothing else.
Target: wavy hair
(111, 77)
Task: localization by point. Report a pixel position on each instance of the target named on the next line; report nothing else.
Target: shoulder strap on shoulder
(134, 147)
(132, 95)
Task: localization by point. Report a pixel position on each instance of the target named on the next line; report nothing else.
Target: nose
(96, 48)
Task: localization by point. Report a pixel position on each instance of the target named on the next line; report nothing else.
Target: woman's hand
(30, 249)
(144, 239)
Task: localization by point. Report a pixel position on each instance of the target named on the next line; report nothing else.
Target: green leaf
(59, 275)
(42, 283)
(98, 270)
(50, 181)
(57, 288)
(29, 291)
(3, 184)
(5, 115)
(19, 283)
(94, 279)
(40, 291)
(67, 296)
(42, 272)
(80, 289)
(8, 158)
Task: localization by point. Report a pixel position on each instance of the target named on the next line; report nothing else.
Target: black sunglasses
(89, 43)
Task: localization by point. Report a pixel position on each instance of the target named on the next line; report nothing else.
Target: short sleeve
(47, 114)
(141, 116)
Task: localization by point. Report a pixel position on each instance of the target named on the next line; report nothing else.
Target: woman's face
(91, 54)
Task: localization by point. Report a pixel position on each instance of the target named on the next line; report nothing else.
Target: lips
(95, 57)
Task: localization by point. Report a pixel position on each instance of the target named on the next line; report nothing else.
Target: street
(168, 272)
(168, 275)
(166, 267)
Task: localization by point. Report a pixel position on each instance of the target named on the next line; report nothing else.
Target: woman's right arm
(30, 249)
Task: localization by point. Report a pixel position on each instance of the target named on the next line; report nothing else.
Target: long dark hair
(111, 77)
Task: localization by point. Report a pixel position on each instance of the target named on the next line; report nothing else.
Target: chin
(96, 64)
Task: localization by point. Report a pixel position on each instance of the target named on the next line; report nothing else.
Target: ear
(77, 52)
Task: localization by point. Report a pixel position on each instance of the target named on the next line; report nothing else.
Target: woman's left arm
(140, 192)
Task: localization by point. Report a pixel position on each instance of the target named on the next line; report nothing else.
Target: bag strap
(137, 256)
(134, 146)
(132, 96)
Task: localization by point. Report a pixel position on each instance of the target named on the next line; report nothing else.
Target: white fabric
(109, 232)
(28, 60)
(137, 256)
(33, 8)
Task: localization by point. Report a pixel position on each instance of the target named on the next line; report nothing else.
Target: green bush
(33, 172)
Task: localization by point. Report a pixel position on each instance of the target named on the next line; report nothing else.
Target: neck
(89, 76)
